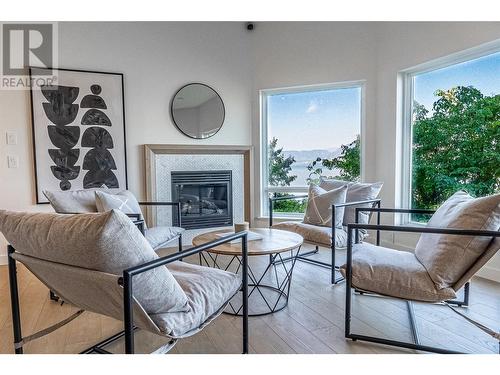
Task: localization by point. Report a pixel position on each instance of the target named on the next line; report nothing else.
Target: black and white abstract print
(98, 160)
(78, 128)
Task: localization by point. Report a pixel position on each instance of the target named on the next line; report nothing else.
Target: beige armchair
(100, 262)
(461, 236)
(333, 236)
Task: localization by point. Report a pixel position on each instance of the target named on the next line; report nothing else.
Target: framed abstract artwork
(78, 131)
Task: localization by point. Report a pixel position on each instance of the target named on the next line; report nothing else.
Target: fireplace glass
(205, 197)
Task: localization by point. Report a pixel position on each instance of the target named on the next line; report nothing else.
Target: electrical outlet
(12, 161)
(11, 138)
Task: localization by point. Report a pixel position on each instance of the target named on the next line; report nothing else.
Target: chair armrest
(380, 210)
(357, 203)
(140, 225)
(412, 229)
(141, 268)
(285, 198)
(166, 204)
(274, 199)
(134, 217)
(375, 202)
(158, 203)
(396, 210)
(128, 274)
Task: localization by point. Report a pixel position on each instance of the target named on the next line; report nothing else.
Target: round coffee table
(269, 279)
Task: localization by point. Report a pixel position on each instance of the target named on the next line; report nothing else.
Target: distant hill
(302, 160)
(310, 155)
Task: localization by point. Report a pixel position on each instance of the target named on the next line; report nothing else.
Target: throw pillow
(447, 257)
(124, 201)
(319, 206)
(72, 202)
(356, 191)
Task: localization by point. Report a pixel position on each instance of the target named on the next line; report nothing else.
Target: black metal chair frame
(127, 282)
(397, 228)
(303, 257)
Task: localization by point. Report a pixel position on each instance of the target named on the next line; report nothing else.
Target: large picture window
(308, 132)
(453, 131)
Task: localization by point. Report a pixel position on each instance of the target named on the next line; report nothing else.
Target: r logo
(26, 44)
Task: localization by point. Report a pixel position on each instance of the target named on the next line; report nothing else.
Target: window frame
(407, 76)
(264, 187)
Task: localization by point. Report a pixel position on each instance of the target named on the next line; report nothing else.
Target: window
(452, 130)
(308, 132)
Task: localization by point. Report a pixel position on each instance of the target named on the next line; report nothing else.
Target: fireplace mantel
(152, 150)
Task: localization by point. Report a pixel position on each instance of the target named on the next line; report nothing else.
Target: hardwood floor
(313, 321)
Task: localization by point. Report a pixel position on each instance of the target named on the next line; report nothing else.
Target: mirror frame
(172, 109)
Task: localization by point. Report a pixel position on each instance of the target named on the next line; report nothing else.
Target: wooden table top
(273, 241)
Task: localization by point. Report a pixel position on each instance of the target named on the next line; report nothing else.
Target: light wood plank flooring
(313, 322)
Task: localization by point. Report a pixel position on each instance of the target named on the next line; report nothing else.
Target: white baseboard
(487, 272)
(3, 260)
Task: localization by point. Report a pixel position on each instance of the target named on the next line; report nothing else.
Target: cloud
(313, 107)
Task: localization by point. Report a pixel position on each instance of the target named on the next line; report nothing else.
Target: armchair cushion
(160, 236)
(124, 201)
(319, 206)
(208, 291)
(107, 242)
(72, 202)
(356, 191)
(393, 273)
(447, 257)
(314, 233)
(100, 293)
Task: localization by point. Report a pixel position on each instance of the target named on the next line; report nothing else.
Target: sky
(326, 119)
(315, 119)
(482, 73)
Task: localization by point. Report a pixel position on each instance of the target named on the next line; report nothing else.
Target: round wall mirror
(197, 110)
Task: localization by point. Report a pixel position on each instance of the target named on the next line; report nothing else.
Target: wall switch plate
(11, 138)
(12, 161)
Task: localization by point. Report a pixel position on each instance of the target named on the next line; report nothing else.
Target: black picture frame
(33, 130)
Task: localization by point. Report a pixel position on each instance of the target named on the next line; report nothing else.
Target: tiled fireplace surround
(161, 160)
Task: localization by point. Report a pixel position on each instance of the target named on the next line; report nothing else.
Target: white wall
(156, 59)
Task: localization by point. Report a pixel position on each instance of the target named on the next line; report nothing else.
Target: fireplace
(205, 198)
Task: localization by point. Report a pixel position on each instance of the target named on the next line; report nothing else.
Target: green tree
(348, 163)
(280, 165)
(419, 111)
(456, 147)
(280, 168)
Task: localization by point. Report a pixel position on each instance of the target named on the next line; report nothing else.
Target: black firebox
(205, 197)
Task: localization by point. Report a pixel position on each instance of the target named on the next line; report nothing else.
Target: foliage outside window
(456, 141)
(348, 164)
(280, 174)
